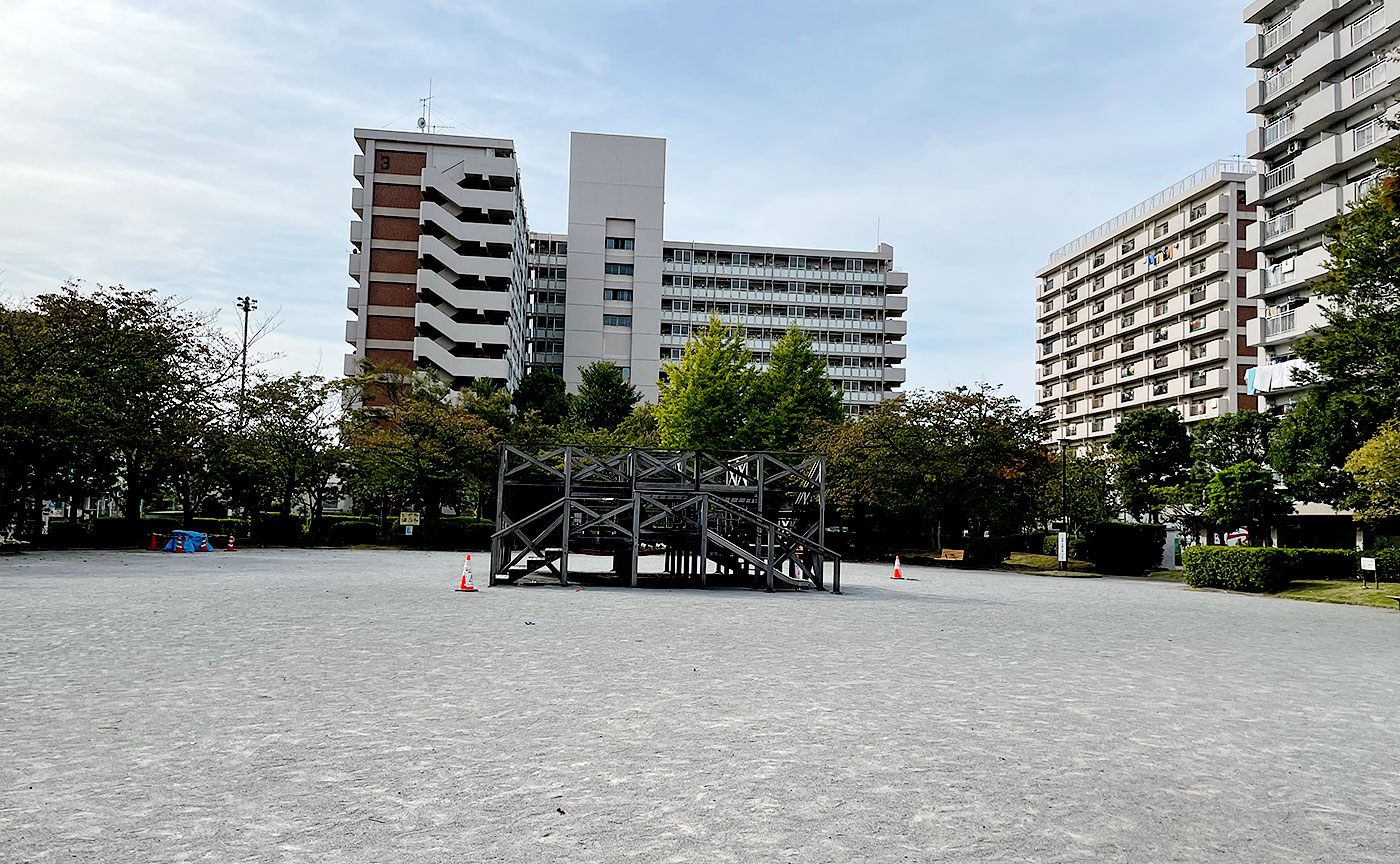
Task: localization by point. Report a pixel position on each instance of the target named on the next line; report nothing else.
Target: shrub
(1238, 568)
(983, 551)
(320, 529)
(1051, 546)
(353, 532)
(1324, 563)
(220, 527)
(453, 533)
(1031, 543)
(109, 532)
(1123, 548)
(1387, 564)
(1247, 568)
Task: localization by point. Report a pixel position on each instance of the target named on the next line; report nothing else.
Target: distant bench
(1396, 599)
(951, 555)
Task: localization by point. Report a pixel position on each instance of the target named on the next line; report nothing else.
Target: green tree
(1359, 351)
(793, 395)
(1231, 439)
(934, 465)
(1375, 466)
(1153, 450)
(604, 397)
(1315, 438)
(1246, 495)
(544, 392)
(407, 442)
(290, 433)
(1087, 497)
(706, 399)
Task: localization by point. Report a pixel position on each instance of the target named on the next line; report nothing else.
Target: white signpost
(1063, 547)
(1369, 564)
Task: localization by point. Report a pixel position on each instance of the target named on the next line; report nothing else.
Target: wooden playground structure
(751, 519)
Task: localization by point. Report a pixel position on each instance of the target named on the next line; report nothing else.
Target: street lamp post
(247, 304)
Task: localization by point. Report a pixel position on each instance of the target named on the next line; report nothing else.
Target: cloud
(205, 149)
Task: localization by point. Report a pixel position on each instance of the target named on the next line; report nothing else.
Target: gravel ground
(349, 707)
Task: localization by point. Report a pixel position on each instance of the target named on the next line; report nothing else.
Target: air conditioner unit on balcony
(1295, 146)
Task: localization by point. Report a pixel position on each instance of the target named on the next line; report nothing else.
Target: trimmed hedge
(1248, 568)
(1387, 564)
(1123, 548)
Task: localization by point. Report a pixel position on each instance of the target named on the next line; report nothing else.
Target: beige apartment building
(1149, 310)
(1327, 77)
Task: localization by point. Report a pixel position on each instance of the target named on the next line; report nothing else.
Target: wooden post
(704, 539)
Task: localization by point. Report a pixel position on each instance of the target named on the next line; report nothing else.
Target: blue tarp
(187, 541)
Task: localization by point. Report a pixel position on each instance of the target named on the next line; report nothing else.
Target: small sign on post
(1063, 548)
(1369, 565)
(408, 530)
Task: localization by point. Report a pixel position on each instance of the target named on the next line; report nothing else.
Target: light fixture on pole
(247, 305)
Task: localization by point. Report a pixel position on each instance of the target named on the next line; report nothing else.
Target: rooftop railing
(1126, 218)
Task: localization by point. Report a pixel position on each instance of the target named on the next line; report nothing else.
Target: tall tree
(604, 397)
(544, 392)
(1312, 443)
(793, 395)
(706, 399)
(1153, 450)
(1231, 439)
(408, 443)
(1245, 495)
(935, 465)
(1079, 486)
(1375, 466)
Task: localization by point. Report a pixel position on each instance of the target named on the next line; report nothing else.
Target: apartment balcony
(1289, 81)
(896, 280)
(1291, 33)
(357, 231)
(1205, 295)
(352, 299)
(896, 374)
(1285, 327)
(357, 200)
(1216, 265)
(1208, 323)
(356, 265)
(896, 350)
(359, 171)
(1170, 360)
(1163, 390)
(896, 326)
(475, 199)
(1294, 224)
(1287, 274)
(474, 334)
(352, 332)
(458, 367)
(896, 304)
(1215, 350)
(1203, 381)
(432, 282)
(1206, 409)
(1318, 161)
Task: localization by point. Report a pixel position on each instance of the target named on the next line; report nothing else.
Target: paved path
(349, 707)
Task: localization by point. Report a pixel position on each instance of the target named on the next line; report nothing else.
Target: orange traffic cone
(897, 574)
(467, 584)
(230, 545)
(154, 544)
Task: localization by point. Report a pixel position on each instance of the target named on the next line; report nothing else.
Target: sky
(206, 149)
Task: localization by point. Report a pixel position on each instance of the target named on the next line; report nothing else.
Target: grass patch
(1168, 575)
(1047, 562)
(1348, 592)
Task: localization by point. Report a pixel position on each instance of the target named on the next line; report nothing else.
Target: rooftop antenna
(425, 117)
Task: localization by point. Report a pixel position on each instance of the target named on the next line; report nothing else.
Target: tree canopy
(707, 398)
(1153, 450)
(604, 398)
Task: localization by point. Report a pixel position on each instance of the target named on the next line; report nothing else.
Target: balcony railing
(1277, 33)
(1279, 128)
(1279, 324)
(1280, 176)
(1280, 224)
(1280, 79)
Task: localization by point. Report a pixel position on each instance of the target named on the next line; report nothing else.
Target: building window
(1072, 361)
(739, 259)
(1198, 408)
(1128, 294)
(1072, 296)
(1364, 80)
(1197, 324)
(1159, 308)
(1097, 425)
(799, 262)
(1098, 355)
(1128, 320)
(1198, 379)
(1129, 395)
(1198, 211)
(617, 269)
(1128, 270)
(1198, 239)
(1160, 388)
(617, 294)
(561, 247)
(1072, 317)
(383, 162)
(1128, 246)
(855, 265)
(1365, 28)
(1127, 344)
(1159, 336)
(626, 372)
(1129, 370)
(1098, 282)
(1161, 361)
(618, 243)
(1098, 307)
(739, 284)
(1072, 274)
(681, 256)
(1163, 228)
(1159, 283)
(1098, 259)
(617, 320)
(1096, 332)
(1365, 135)
(1198, 267)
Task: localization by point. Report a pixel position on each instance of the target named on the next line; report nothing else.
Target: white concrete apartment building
(1326, 79)
(449, 277)
(439, 262)
(1149, 310)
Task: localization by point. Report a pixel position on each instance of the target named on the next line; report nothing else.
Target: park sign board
(408, 518)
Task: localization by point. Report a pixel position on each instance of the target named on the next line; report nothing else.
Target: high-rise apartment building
(485, 297)
(1149, 310)
(439, 260)
(1326, 77)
